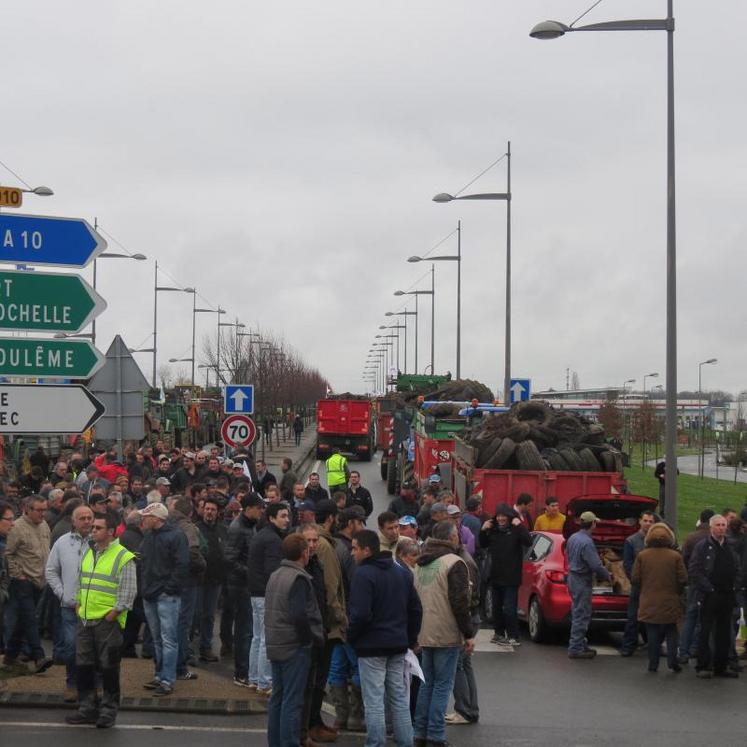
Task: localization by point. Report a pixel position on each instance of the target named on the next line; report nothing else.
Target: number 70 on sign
(238, 430)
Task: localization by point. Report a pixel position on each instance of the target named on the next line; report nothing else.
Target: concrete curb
(213, 706)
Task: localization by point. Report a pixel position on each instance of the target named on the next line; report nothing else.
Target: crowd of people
(104, 555)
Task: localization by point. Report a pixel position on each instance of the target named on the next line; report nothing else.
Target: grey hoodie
(63, 567)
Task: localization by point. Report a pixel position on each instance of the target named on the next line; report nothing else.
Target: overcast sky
(281, 157)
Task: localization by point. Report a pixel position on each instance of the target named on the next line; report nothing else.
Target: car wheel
(536, 621)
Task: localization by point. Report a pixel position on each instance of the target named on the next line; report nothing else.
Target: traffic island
(212, 693)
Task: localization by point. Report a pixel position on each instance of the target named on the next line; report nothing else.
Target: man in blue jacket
(384, 618)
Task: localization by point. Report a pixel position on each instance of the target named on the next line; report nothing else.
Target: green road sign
(46, 302)
(64, 359)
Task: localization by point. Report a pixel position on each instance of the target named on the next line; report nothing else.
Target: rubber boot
(356, 719)
(338, 695)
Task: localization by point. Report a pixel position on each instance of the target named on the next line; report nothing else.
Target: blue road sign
(43, 240)
(520, 390)
(238, 399)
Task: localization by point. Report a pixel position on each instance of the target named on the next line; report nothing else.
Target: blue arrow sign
(520, 390)
(43, 240)
(238, 399)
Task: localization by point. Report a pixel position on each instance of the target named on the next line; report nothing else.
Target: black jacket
(236, 551)
(164, 562)
(401, 507)
(315, 494)
(701, 568)
(265, 555)
(215, 536)
(261, 483)
(362, 498)
(506, 550)
(315, 570)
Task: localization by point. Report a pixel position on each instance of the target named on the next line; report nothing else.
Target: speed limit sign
(238, 430)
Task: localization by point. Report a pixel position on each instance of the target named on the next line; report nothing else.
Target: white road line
(317, 465)
(137, 727)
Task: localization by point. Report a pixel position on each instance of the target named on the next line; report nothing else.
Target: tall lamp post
(395, 360)
(237, 325)
(458, 259)
(405, 314)
(553, 30)
(701, 454)
(156, 290)
(643, 452)
(398, 327)
(432, 294)
(387, 346)
(506, 197)
(195, 312)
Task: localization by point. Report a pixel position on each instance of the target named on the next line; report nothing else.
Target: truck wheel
(384, 468)
(529, 457)
(538, 412)
(391, 476)
(504, 452)
(536, 622)
(572, 460)
(588, 460)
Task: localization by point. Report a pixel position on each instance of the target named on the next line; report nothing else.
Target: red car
(544, 601)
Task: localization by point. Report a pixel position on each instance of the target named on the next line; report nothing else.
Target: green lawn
(693, 494)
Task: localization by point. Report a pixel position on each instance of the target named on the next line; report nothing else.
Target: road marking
(606, 650)
(317, 465)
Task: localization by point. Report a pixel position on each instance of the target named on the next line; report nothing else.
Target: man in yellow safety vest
(108, 586)
(338, 472)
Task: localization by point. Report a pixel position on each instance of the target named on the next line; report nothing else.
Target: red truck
(497, 486)
(347, 424)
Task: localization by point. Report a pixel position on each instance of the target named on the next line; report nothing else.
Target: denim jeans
(504, 610)
(656, 634)
(439, 668)
(242, 637)
(465, 689)
(630, 636)
(186, 615)
(163, 619)
(260, 673)
(21, 620)
(383, 684)
(580, 590)
(66, 646)
(691, 626)
(286, 704)
(344, 666)
(209, 595)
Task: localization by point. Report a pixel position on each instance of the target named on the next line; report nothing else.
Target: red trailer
(497, 486)
(346, 424)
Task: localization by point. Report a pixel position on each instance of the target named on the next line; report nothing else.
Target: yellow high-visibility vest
(336, 470)
(99, 581)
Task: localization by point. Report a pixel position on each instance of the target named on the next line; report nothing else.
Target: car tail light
(555, 577)
(363, 448)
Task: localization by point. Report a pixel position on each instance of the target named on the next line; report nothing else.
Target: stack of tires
(533, 436)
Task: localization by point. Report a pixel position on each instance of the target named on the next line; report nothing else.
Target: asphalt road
(531, 695)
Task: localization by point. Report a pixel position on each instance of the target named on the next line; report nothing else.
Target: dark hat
(325, 508)
(353, 513)
(473, 504)
(252, 500)
(98, 498)
(306, 506)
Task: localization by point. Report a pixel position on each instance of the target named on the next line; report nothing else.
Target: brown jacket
(661, 574)
(333, 583)
(27, 550)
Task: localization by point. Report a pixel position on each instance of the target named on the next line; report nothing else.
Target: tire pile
(533, 436)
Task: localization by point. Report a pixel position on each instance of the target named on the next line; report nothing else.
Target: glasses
(10, 517)
(36, 510)
(94, 528)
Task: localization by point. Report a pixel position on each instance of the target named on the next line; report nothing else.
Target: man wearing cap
(107, 590)
(583, 564)
(407, 502)
(438, 512)
(188, 474)
(454, 513)
(89, 480)
(408, 527)
(164, 566)
(163, 486)
(357, 495)
(338, 472)
(305, 513)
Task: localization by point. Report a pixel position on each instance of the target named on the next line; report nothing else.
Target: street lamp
(156, 290)
(701, 454)
(398, 327)
(67, 336)
(405, 314)
(646, 376)
(393, 337)
(553, 30)
(432, 294)
(506, 197)
(458, 259)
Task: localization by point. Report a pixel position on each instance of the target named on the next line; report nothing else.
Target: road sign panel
(62, 359)
(45, 240)
(42, 408)
(238, 398)
(238, 430)
(11, 197)
(46, 302)
(520, 389)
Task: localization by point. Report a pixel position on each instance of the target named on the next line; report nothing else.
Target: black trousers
(716, 611)
(320, 685)
(98, 646)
